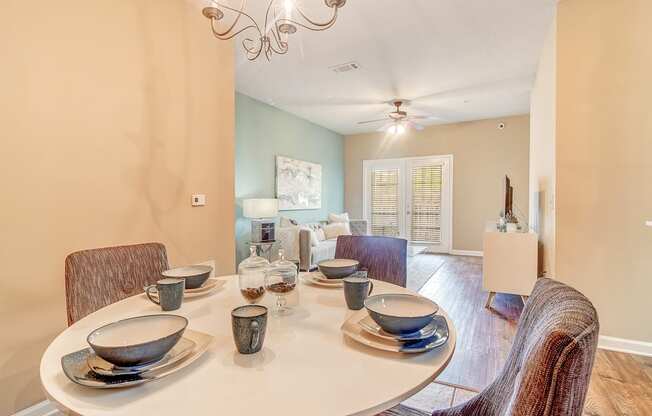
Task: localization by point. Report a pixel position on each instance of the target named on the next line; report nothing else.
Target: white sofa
(296, 241)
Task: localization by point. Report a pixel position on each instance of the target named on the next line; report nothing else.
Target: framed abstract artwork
(298, 184)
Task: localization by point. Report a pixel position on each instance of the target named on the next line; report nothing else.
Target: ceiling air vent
(349, 66)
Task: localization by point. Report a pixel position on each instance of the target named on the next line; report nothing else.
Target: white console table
(509, 262)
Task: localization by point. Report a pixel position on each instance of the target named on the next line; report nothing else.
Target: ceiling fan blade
(372, 121)
(422, 118)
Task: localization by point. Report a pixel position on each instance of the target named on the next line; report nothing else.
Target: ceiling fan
(398, 121)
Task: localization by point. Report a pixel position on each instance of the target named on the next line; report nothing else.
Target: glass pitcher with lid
(251, 276)
(281, 279)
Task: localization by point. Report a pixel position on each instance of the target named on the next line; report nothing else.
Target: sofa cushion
(324, 251)
(335, 218)
(337, 229)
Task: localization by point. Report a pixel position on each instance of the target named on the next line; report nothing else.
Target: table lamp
(260, 211)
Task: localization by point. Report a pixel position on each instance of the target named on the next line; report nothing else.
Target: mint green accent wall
(262, 132)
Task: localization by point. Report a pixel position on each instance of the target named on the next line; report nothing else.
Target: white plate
(100, 366)
(75, 366)
(353, 330)
(320, 276)
(319, 280)
(208, 286)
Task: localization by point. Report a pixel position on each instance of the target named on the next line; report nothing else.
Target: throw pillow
(287, 222)
(335, 218)
(337, 229)
(321, 236)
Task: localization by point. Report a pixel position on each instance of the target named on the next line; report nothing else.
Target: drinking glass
(281, 279)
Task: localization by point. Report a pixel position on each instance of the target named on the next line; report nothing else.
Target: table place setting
(394, 322)
(134, 351)
(183, 283)
(402, 323)
(331, 273)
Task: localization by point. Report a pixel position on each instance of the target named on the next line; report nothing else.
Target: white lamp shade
(260, 208)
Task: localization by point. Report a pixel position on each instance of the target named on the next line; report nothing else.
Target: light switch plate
(198, 200)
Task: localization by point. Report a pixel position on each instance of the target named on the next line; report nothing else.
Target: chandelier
(270, 37)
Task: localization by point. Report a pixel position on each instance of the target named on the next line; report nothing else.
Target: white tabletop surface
(307, 366)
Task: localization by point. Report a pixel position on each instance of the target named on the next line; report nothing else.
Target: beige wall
(604, 159)
(483, 154)
(112, 112)
(542, 152)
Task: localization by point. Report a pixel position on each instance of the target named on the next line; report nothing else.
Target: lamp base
(262, 231)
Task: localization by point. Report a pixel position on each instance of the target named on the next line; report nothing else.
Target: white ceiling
(457, 60)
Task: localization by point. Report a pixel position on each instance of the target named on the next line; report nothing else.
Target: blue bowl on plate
(338, 268)
(137, 341)
(400, 313)
(195, 276)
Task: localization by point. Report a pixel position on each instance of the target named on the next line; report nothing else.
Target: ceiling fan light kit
(271, 36)
(399, 120)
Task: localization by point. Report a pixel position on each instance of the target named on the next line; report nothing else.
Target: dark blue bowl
(137, 341)
(195, 276)
(401, 313)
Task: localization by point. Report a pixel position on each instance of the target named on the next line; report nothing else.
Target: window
(425, 224)
(385, 202)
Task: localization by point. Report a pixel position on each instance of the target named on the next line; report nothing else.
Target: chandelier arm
(269, 7)
(325, 25)
(226, 35)
(314, 29)
(252, 54)
(239, 14)
(319, 26)
(283, 46)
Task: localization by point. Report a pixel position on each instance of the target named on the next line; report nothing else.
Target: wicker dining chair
(549, 366)
(99, 277)
(385, 258)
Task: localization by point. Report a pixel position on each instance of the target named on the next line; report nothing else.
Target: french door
(410, 198)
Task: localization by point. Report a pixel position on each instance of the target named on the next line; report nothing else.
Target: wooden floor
(621, 384)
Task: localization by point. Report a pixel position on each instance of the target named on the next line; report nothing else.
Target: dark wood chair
(384, 257)
(99, 277)
(549, 366)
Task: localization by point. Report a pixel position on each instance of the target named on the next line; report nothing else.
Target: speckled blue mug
(249, 324)
(169, 291)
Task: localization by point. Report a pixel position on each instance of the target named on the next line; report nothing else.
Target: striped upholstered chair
(385, 258)
(99, 277)
(549, 367)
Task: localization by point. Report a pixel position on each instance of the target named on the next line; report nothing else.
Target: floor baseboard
(44, 408)
(625, 345)
(471, 253)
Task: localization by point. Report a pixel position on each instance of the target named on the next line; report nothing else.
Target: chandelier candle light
(271, 36)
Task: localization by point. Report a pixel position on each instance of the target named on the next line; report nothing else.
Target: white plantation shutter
(385, 202)
(426, 204)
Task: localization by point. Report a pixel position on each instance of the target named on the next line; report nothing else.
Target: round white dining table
(306, 367)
